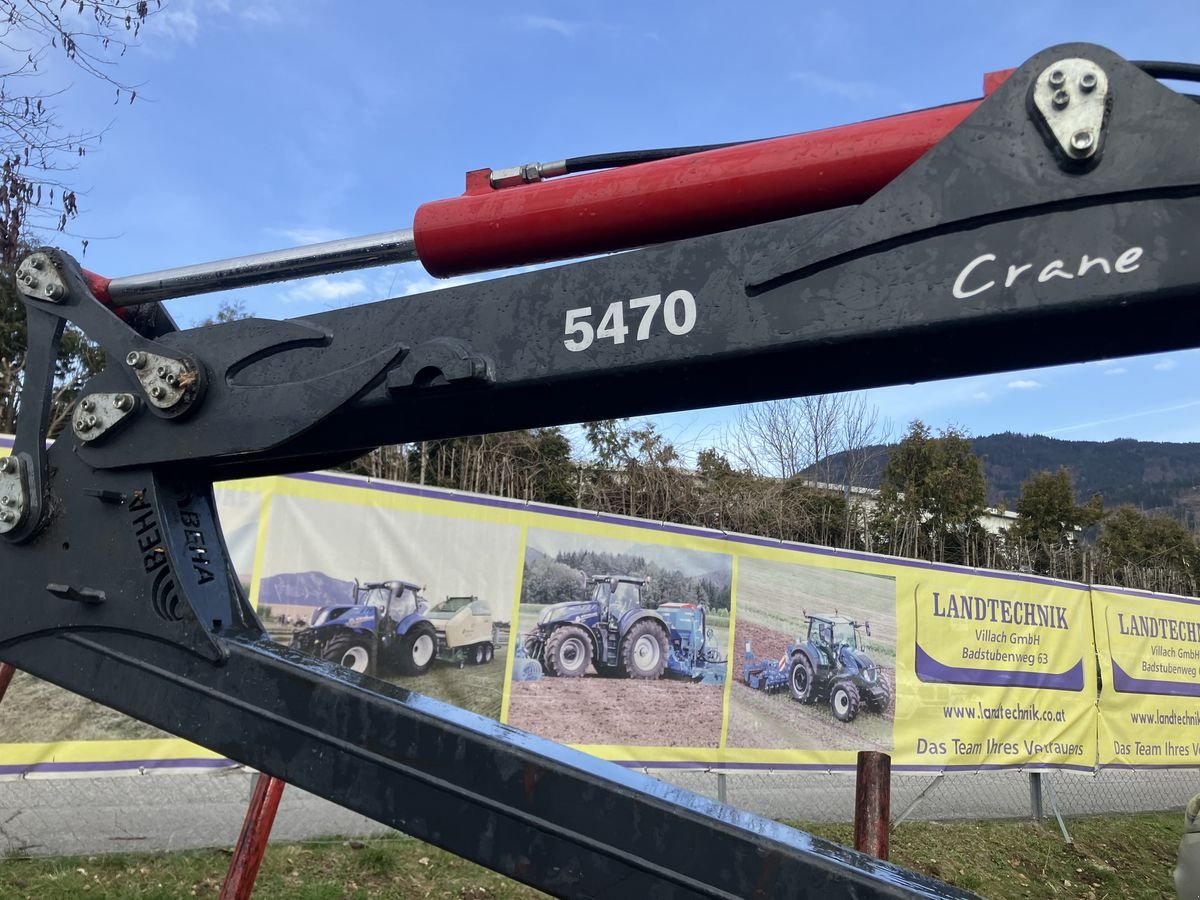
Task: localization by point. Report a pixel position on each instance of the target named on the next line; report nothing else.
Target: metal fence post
(721, 795)
(872, 803)
(1035, 796)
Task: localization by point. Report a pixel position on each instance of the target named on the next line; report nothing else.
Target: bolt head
(1058, 78)
(1087, 82)
(92, 421)
(87, 405)
(81, 425)
(160, 371)
(8, 466)
(6, 517)
(123, 402)
(36, 262)
(156, 392)
(136, 359)
(1061, 99)
(52, 291)
(29, 280)
(1082, 140)
(6, 500)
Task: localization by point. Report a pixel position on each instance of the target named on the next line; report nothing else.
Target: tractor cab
(831, 635)
(616, 595)
(393, 600)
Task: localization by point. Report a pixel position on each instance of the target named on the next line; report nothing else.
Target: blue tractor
(611, 632)
(832, 666)
(386, 622)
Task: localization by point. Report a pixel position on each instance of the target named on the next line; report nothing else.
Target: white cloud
(548, 23)
(177, 22)
(1024, 384)
(1165, 365)
(854, 91)
(325, 290)
(1119, 370)
(1125, 418)
(309, 235)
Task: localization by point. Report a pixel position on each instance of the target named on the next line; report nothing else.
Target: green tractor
(831, 666)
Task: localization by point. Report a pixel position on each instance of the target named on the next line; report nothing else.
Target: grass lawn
(1126, 856)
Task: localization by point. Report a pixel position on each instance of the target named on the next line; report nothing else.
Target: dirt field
(758, 719)
(594, 710)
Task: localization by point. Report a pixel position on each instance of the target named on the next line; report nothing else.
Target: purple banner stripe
(115, 765)
(819, 767)
(929, 669)
(1124, 683)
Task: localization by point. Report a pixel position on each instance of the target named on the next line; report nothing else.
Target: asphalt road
(51, 817)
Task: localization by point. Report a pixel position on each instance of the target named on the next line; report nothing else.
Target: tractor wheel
(489, 652)
(476, 655)
(800, 679)
(351, 651)
(417, 650)
(644, 652)
(844, 700)
(568, 651)
(881, 705)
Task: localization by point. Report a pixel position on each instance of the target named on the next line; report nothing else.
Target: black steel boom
(1037, 232)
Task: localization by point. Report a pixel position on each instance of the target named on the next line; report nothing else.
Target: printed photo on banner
(418, 596)
(816, 658)
(621, 642)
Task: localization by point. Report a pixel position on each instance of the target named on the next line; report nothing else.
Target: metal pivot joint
(14, 495)
(1072, 100)
(38, 278)
(170, 385)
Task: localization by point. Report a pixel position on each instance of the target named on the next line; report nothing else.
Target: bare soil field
(776, 595)
(619, 711)
(776, 721)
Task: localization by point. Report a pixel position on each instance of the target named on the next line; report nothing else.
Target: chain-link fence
(156, 812)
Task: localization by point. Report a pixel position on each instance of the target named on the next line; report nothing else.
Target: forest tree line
(767, 477)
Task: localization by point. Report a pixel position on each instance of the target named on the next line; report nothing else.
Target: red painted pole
(872, 803)
(252, 842)
(6, 675)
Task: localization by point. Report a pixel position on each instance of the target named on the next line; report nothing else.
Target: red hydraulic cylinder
(686, 196)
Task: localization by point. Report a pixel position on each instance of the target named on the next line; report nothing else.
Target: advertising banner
(1149, 653)
(1003, 672)
(658, 645)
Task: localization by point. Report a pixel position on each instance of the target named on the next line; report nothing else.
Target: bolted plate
(1072, 97)
(167, 382)
(38, 279)
(13, 503)
(96, 415)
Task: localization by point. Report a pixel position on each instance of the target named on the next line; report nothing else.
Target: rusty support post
(6, 675)
(872, 803)
(252, 842)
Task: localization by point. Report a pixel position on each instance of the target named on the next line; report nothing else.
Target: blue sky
(265, 123)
